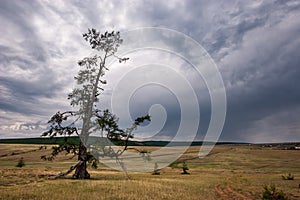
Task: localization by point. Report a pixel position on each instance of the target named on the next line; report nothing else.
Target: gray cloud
(254, 43)
(262, 77)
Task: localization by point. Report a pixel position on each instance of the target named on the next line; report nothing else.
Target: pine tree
(90, 81)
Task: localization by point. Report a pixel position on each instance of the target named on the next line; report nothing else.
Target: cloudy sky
(254, 44)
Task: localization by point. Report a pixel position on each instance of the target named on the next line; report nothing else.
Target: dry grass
(229, 172)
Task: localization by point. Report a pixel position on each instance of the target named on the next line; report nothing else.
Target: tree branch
(60, 175)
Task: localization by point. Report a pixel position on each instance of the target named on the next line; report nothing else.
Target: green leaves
(123, 59)
(68, 145)
(140, 120)
(108, 122)
(57, 127)
(108, 41)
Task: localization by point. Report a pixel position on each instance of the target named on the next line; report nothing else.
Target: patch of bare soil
(227, 193)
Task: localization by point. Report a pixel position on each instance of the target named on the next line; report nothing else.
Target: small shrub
(185, 168)
(288, 177)
(21, 163)
(156, 170)
(145, 154)
(271, 193)
(93, 162)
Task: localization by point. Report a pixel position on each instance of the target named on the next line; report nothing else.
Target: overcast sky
(255, 45)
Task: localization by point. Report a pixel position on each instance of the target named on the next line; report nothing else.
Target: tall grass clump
(271, 193)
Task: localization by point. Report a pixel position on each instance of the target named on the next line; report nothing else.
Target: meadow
(228, 172)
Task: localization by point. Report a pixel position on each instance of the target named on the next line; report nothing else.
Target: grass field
(229, 172)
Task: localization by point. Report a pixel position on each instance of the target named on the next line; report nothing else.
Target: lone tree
(84, 98)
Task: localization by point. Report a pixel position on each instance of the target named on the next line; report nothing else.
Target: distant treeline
(58, 140)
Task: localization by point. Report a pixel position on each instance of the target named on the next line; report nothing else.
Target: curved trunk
(81, 171)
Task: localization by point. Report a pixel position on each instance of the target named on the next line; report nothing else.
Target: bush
(288, 177)
(156, 170)
(185, 168)
(21, 163)
(271, 193)
(145, 154)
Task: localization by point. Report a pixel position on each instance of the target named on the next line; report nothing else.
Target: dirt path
(228, 193)
(221, 193)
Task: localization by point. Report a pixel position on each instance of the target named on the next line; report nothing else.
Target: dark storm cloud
(255, 45)
(266, 86)
(140, 105)
(261, 77)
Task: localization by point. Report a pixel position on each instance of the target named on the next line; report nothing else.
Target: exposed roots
(72, 168)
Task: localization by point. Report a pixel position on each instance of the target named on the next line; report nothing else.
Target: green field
(228, 172)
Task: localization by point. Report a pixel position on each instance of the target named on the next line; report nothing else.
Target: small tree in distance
(90, 81)
(21, 163)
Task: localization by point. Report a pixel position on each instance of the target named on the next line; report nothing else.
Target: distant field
(229, 172)
(57, 140)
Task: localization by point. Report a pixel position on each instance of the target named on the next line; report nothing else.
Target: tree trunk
(81, 171)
